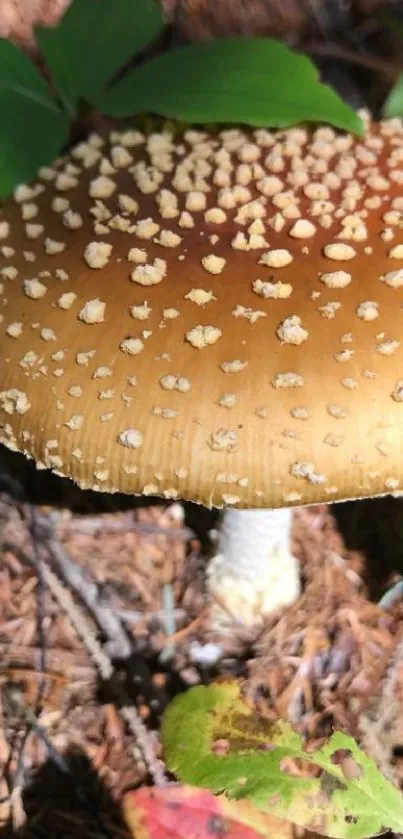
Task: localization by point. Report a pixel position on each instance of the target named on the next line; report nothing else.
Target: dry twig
(84, 630)
(87, 591)
(94, 524)
(105, 667)
(388, 68)
(50, 552)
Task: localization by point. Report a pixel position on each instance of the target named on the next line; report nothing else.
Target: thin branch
(137, 727)
(16, 796)
(29, 719)
(41, 609)
(80, 623)
(108, 621)
(132, 616)
(16, 782)
(106, 670)
(88, 593)
(390, 69)
(93, 524)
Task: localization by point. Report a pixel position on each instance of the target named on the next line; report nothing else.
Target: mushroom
(215, 317)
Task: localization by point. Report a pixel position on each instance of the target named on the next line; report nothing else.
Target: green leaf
(212, 739)
(393, 106)
(51, 46)
(33, 129)
(256, 81)
(94, 39)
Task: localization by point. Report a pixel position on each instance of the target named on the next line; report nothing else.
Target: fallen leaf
(185, 812)
(336, 790)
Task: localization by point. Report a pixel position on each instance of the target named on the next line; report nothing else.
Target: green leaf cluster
(88, 60)
(212, 739)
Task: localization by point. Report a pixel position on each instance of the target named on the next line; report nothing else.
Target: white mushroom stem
(254, 572)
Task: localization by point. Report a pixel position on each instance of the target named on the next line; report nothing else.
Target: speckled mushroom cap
(211, 316)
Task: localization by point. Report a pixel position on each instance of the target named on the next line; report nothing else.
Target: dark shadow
(375, 527)
(70, 802)
(20, 479)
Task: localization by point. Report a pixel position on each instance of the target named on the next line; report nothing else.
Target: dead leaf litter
(332, 660)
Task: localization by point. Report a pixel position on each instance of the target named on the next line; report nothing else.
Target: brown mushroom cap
(254, 358)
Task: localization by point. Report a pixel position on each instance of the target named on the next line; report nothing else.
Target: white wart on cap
(215, 317)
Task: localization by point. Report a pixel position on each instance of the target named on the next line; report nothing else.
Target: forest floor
(104, 618)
